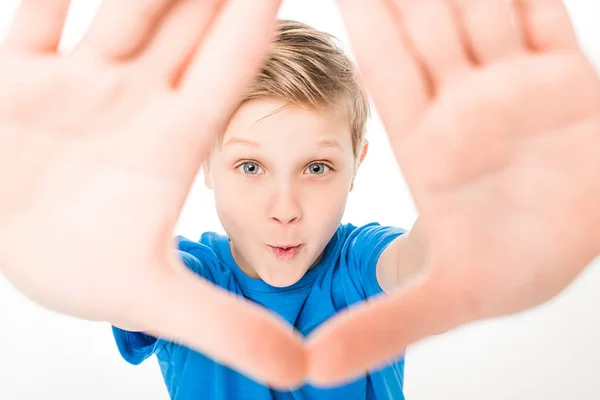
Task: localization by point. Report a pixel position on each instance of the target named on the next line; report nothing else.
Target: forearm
(413, 255)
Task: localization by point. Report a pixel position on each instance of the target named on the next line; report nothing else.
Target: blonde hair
(306, 67)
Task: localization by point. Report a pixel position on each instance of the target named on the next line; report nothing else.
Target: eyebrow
(238, 141)
(331, 143)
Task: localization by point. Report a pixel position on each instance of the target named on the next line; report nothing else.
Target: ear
(364, 151)
(207, 175)
(361, 158)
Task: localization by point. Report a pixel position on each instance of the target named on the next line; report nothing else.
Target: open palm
(496, 127)
(98, 150)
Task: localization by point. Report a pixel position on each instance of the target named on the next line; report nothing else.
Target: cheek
(240, 208)
(227, 188)
(232, 206)
(327, 203)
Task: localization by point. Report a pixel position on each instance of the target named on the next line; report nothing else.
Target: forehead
(268, 119)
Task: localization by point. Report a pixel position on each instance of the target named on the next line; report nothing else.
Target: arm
(402, 260)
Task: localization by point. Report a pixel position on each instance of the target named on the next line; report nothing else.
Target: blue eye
(250, 168)
(318, 168)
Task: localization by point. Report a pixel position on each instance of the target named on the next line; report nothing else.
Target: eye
(318, 168)
(249, 168)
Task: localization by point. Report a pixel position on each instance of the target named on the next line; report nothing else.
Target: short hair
(307, 67)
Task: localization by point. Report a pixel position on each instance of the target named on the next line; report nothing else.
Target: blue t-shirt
(345, 275)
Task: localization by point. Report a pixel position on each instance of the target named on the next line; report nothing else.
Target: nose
(285, 208)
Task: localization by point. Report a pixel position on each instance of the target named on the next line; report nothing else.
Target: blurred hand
(493, 113)
(98, 151)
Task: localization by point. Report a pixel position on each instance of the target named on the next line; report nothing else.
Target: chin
(282, 279)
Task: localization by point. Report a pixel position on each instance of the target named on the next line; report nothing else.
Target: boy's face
(281, 181)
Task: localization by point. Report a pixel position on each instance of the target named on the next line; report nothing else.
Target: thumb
(379, 331)
(183, 307)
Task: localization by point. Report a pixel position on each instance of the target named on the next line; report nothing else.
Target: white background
(551, 353)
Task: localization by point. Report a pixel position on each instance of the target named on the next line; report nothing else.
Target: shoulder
(359, 249)
(201, 256)
(368, 236)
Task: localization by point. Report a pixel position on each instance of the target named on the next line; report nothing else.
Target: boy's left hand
(496, 127)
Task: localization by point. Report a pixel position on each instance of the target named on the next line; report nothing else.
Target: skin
(98, 150)
(497, 133)
(281, 175)
(495, 127)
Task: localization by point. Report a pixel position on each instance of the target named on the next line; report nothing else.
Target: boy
(481, 107)
(281, 174)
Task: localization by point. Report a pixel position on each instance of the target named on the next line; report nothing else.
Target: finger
(235, 333)
(546, 24)
(395, 78)
(220, 73)
(121, 28)
(491, 31)
(37, 26)
(178, 36)
(371, 335)
(228, 59)
(433, 30)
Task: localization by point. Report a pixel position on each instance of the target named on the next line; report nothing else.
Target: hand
(496, 127)
(98, 150)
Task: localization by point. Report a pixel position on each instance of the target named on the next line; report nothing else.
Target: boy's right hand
(98, 150)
